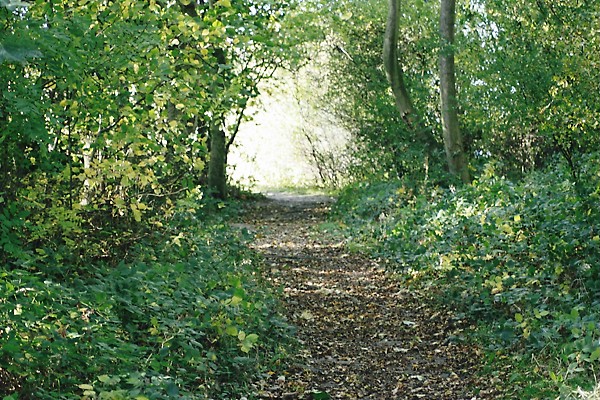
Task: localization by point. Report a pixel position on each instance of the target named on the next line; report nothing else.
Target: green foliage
(358, 90)
(188, 318)
(112, 282)
(533, 93)
(102, 135)
(526, 89)
(521, 259)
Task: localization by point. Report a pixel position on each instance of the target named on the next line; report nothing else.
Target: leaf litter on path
(363, 334)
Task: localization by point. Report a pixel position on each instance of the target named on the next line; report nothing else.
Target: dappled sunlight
(364, 335)
(167, 220)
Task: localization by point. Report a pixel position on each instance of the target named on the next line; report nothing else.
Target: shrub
(520, 258)
(189, 318)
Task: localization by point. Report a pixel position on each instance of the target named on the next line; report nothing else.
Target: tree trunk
(217, 170)
(217, 178)
(453, 144)
(392, 66)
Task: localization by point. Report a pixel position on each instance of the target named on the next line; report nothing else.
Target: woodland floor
(363, 334)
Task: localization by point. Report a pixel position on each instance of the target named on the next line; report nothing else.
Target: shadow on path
(364, 335)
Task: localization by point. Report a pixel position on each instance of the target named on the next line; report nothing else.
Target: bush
(189, 319)
(520, 258)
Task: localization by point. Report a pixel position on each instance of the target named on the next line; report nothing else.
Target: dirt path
(364, 336)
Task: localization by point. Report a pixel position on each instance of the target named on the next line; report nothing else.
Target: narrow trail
(363, 335)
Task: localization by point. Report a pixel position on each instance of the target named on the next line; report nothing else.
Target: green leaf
(172, 389)
(137, 214)
(108, 380)
(11, 346)
(17, 53)
(134, 380)
(519, 317)
(231, 330)
(236, 300)
(575, 313)
(595, 355)
(253, 338)
(247, 341)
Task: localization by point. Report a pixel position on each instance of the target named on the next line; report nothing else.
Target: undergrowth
(521, 259)
(186, 318)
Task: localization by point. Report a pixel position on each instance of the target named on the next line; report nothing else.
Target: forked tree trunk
(456, 159)
(453, 143)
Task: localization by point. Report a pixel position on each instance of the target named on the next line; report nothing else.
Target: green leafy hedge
(523, 259)
(189, 319)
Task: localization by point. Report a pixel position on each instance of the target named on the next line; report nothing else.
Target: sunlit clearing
(272, 151)
(268, 153)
